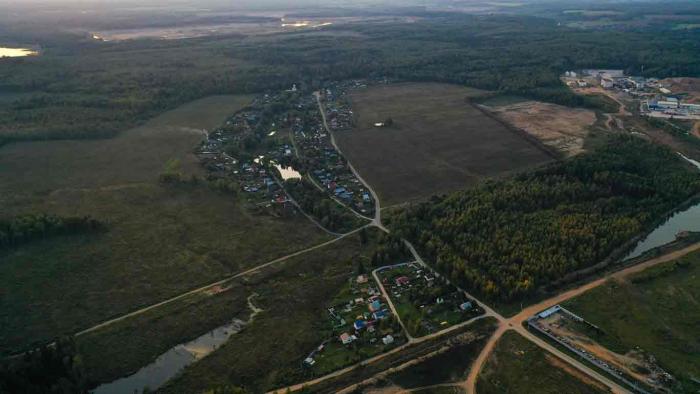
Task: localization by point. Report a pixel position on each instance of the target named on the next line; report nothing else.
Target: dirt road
(377, 221)
(302, 385)
(515, 322)
(217, 283)
(411, 339)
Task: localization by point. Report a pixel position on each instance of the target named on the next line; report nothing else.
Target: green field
(34, 172)
(124, 347)
(160, 240)
(656, 310)
(518, 366)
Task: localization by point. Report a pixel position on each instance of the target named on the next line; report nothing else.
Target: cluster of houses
(433, 295)
(357, 319)
(338, 108)
(549, 321)
(368, 309)
(329, 170)
(253, 173)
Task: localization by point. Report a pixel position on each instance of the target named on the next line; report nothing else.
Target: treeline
(23, 229)
(52, 369)
(506, 238)
(98, 89)
(316, 203)
(390, 250)
(564, 96)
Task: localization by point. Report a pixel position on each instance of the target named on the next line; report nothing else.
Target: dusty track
(515, 322)
(377, 221)
(217, 283)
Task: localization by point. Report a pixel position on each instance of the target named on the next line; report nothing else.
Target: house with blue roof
(378, 315)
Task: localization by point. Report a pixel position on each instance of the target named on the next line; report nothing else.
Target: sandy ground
(690, 86)
(285, 25)
(438, 143)
(559, 127)
(624, 362)
(557, 363)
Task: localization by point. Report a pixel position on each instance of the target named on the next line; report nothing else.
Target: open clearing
(634, 364)
(657, 311)
(559, 127)
(519, 366)
(28, 169)
(438, 142)
(161, 241)
(690, 87)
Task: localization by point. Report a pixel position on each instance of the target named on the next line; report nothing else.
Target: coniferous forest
(507, 237)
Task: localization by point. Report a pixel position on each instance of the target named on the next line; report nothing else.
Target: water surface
(17, 52)
(684, 220)
(170, 363)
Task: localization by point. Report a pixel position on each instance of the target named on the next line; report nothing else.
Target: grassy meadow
(294, 296)
(656, 310)
(451, 366)
(160, 241)
(32, 171)
(519, 366)
(123, 348)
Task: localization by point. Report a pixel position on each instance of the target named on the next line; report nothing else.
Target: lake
(17, 52)
(170, 363)
(685, 220)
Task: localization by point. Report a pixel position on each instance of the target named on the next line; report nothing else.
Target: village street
(377, 221)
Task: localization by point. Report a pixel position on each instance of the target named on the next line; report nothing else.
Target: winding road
(377, 221)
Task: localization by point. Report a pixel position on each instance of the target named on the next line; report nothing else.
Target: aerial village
(281, 137)
(656, 98)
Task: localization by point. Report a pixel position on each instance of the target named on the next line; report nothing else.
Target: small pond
(17, 52)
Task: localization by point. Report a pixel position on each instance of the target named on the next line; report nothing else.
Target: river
(685, 220)
(170, 363)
